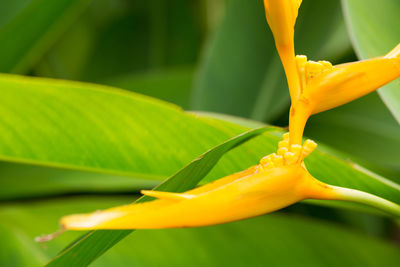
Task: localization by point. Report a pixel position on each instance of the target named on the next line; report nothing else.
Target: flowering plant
(72, 147)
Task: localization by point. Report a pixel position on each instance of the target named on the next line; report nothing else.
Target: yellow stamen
(282, 151)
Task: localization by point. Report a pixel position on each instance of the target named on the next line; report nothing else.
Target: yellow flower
(278, 181)
(281, 16)
(324, 86)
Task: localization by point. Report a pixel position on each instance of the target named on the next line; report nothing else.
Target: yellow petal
(347, 82)
(325, 86)
(394, 53)
(273, 184)
(281, 16)
(242, 198)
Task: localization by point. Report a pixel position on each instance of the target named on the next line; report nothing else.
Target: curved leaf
(374, 30)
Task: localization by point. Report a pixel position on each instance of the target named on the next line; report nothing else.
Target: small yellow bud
(285, 136)
(283, 143)
(296, 149)
(290, 158)
(278, 160)
(312, 69)
(282, 151)
(308, 147)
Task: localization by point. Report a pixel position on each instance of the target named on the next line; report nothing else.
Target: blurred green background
(208, 56)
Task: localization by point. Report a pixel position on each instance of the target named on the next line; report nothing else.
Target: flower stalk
(352, 195)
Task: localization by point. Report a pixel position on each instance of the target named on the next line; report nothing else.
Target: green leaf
(171, 85)
(364, 129)
(21, 181)
(273, 240)
(120, 134)
(241, 73)
(8, 10)
(106, 130)
(25, 38)
(142, 35)
(374, 31)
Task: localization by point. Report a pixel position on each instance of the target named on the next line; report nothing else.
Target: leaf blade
(373, 33)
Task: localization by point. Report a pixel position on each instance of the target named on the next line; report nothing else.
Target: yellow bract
(278, 181)
(281, 16)
(324, 86)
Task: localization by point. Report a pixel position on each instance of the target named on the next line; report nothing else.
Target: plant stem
(357, 196)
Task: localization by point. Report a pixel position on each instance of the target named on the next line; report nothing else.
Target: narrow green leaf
(374, 30)
(28, 35)
(95, 243)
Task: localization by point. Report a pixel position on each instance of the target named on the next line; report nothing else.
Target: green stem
(357, 196)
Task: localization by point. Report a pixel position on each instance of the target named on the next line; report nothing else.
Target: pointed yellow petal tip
(167, 195)
(88, 221)
(395, 53)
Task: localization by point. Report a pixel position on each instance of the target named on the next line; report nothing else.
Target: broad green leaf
(374, 30)
(364, 129)
(241, 73)
(115, 132)
(171, 85)
(273, 240)
(25, 38)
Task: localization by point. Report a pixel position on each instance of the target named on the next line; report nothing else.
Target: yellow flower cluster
(319, 86)
(281, 178)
